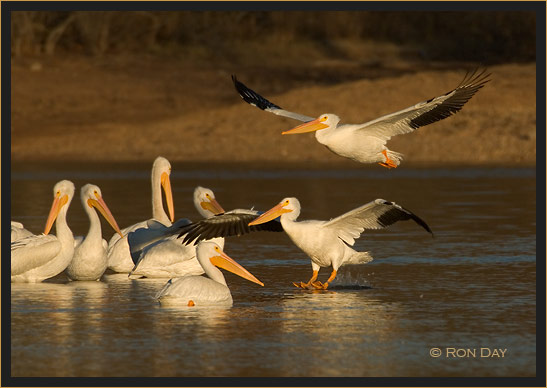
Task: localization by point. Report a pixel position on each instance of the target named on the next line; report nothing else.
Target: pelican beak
(166, 184)
(100, 205)
(226, 262)
(213, 206)
(271, 214)
(310, 126)
(58, 203)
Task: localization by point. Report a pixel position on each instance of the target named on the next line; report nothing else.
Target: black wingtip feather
(251, 97)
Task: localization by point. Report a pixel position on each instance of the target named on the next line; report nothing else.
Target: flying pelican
(39, 257)
(18, 231)
(328, 243)
(168, 257)
(365, 143)
(119, 258)
(90, 260)
(194, 290)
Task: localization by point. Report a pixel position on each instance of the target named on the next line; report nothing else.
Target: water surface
(470, 287)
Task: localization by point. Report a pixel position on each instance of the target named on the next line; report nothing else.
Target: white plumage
(18, 231)
(119, 257)
(169, 257)
(39, 257)
(194, 290)
(328, 243)
(365, 143)
(90, 259)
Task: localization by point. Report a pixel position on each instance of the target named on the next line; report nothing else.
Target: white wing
(33, 252)
(377, 214)
(427, 112)
(253, 98)
(18, 231)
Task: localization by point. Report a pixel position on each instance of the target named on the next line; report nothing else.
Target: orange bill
(213, 206)
(310, 126)
(58, 203)
(226, 262)
(100, 205)
(166, 184)
(271, 214)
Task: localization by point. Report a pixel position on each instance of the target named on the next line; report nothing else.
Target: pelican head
(209, 252)
(161, 170)
(205, 202)
(63, 192)
(326, 120)
(92, 197)
(288, 205)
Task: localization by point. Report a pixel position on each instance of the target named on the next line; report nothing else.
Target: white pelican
(168, 257)
(194, 290)
(365, 143)
(90, 260)
(39, 257)
(328, 243)
(18, 231)
(119, 258)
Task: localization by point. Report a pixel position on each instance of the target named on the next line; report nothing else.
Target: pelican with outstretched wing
(366, 143)
(328, 243)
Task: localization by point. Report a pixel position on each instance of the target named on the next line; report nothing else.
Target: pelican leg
(308, 284)
(388, 163)
(323, 286)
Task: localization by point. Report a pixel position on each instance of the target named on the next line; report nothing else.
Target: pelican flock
(365, 143)
(185, 251)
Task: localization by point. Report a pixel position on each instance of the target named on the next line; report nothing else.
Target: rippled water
(470, 287)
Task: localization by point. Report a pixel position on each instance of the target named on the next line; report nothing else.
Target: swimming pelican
(90, 260)
(39, 257)
(328, 243)
(168, 257)
(18, 231)
(119, 258)
(194, 290)
(365, 143)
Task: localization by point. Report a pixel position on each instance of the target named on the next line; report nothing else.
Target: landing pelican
(39, 257)
(365, 143)
(168, 257)
(328, 243)
(119, 258)
(18, 231)
(194, 290)
(90, 260)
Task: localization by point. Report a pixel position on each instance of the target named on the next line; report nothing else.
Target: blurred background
(134, 85)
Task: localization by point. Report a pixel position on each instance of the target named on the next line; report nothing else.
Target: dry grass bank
(85, 110)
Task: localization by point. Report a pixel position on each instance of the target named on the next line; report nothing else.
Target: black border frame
(538, 7)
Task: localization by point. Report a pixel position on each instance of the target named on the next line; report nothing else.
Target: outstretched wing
(232, 223)
(427, 112)
(377, 214)
(253, 98)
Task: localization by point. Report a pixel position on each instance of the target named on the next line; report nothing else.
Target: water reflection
(473, 284)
